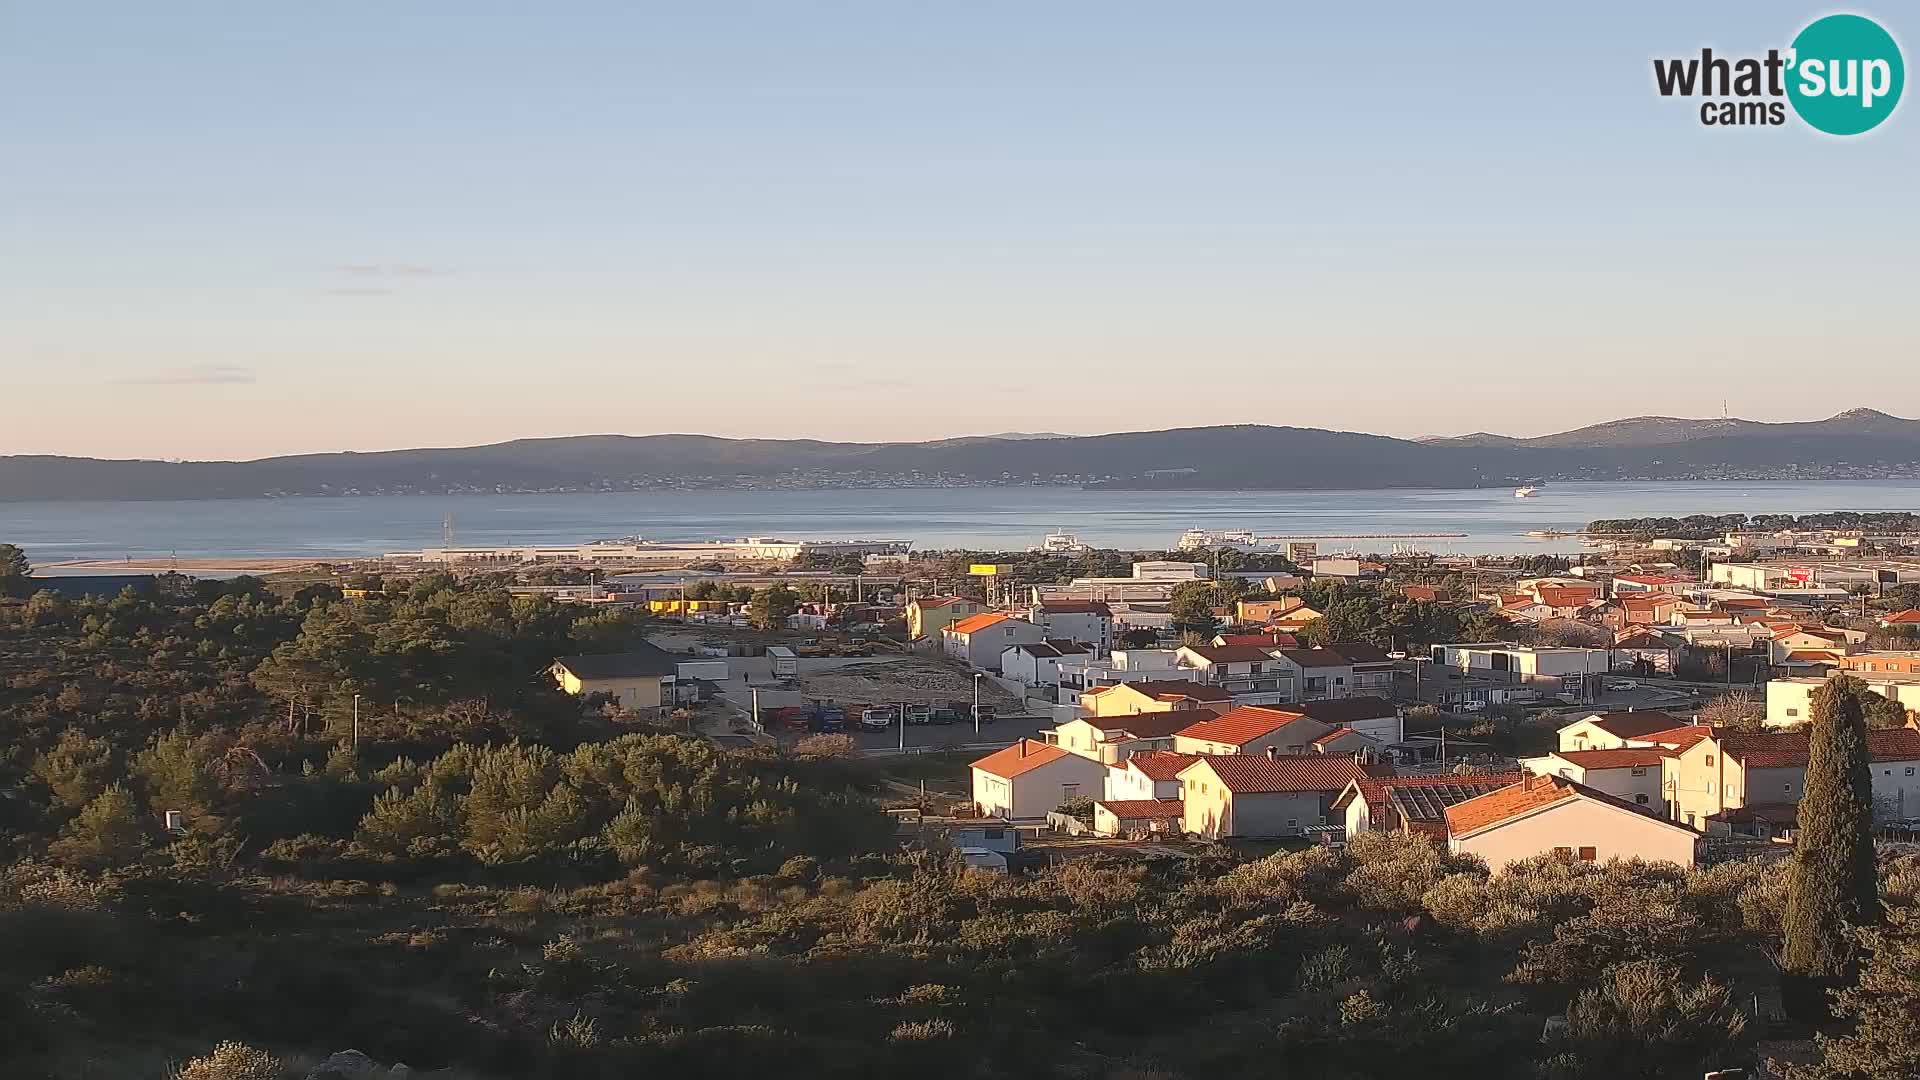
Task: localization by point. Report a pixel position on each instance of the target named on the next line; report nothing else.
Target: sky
(230, 230)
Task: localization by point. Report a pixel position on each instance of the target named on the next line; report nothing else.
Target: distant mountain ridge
(1856, 444)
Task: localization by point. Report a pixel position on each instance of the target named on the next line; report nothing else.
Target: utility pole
(757, 726)
(356, 724)
(976, 704)
(903, 727)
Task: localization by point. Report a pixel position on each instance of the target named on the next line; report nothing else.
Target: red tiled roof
(1428, 802)
(1911, 615)
(1360, 653)
(1160, 764)
(1022, 757)
(1507, 803)
(1679, 738)
(1420, 592)
(1815, 656)
(975, 623)
(1134, 809)
(1240, 726)
(1789, 749)
(1633, 725)
(1634, 757)
(1258, 774)
(1336, 734)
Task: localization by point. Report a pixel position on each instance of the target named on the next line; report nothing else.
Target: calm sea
(991, 518)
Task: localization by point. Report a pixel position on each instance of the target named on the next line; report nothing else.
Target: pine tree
(109, 831)
(1884, 1007)
(1832, 883)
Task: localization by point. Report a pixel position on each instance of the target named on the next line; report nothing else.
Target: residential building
(1246, 670)
(1373, 670)
(978, 640)
(1644, 651)
(1088, 622)
(1138, 819)
(1881, 662)
(1613, 730)
(1123, 665)
(927, 616)
(1147, 774)
(1028, 780)
(1554, 815)
(638, 680)
(1154, 696)
(1295, 620)
(1341, 569)
(1899, 619)
(1729, 770)
(1790, 701)
(1257, 612)
(1642, 584)
(1522, 660)
(1374, 717)
(1265, 639)
(1318, 673)
(1113, 740)
(1251, 730)
(1632, 774)
(1413, 805)
(1257, 795)
(1038, 663)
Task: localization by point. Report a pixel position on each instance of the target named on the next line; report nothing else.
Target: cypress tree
(1833, 884)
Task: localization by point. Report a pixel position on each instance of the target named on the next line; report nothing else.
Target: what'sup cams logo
(1842, 75)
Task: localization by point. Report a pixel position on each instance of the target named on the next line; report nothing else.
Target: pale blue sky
(238, 229)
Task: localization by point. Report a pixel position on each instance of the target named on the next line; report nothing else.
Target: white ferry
(1525, 492)
(1061, 543)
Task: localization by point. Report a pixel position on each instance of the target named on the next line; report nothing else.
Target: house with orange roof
(1885, 661)
(928, 615)
(1112, 739)
(1909, 618)
(1029, 780)
(1553, 815)
(978, 640)
(1260, 795)
(1632, 773)
(1411, 805)
(1644, 651)
(1138, 819)
(1792, 639)
(1252, 729)
(1643, 584)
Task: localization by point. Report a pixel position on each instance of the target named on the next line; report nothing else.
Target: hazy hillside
(1857, 443)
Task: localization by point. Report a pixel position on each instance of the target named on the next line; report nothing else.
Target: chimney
(1273, 751)
(1023, 748)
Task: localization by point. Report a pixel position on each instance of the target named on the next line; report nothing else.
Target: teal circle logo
(1845, 75)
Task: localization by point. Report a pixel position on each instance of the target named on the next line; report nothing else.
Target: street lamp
(976, 704)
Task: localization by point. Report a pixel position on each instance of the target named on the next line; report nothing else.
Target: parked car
(1472, 706)
(964, 709)
(879, 719)
(919, 714)
(945, 717)
(1622, 684)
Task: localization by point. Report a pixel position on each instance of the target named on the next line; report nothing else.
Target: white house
(1088, 622)
(1148, 774)
(1374, 717)
(1611, 731)
(1790, 701)
(1554, 815)
(1632, 774)
(979, 640)
(1028, 780)
(1038, 663)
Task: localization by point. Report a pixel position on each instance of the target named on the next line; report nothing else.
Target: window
(1787, 787)
(1709, 787)
(1709, 759)
(1793, 712)
(1588, 854)
(1293, 823)
(1641, 799)
(1909, 770)
(1689, 820)
(1069, 791)
(1639, 770)
(995, 834)
(1564, 852)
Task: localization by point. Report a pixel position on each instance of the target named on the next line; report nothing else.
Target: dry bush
(231, 1061)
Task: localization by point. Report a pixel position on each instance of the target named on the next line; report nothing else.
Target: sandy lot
(910, 679)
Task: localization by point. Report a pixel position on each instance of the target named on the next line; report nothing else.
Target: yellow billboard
(988, 569)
